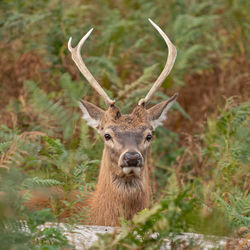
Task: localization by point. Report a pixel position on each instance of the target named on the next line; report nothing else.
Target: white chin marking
(131, 170)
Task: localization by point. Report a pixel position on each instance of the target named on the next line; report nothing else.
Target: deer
(123, 187)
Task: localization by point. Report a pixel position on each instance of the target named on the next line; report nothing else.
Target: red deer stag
(123, 187)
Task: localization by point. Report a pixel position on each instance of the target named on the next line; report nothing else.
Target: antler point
(90, 31)
(69, 44)
(76, 56)
(150, 20)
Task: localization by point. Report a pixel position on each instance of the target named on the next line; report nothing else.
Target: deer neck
(117, 197)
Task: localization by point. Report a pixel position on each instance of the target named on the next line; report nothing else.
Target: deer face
(126, 137)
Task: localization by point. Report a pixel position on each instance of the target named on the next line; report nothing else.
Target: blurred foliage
(227, 141)
(122, 31)
(202, 186)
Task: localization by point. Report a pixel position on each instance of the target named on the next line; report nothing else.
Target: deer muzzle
(132, 163)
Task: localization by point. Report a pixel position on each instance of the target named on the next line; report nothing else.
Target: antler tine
(172, 52)
(76, 56)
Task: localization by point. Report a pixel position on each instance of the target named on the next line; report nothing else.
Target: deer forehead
(137, 118)
(127, 131)
(130, 123)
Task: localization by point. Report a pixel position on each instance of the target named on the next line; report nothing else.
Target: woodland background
(200, 157)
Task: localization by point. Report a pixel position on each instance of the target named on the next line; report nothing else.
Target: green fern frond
(237, 210)
(54, 146)
(38, 182)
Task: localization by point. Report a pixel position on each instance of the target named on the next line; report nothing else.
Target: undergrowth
(201, 186)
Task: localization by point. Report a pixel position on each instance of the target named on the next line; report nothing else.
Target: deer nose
(132, 159)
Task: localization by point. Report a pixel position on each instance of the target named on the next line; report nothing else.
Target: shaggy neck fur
(117, 197)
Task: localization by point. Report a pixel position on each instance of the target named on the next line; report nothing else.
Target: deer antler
(172, 52)
(76, 56)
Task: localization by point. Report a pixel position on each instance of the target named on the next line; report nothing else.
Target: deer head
(126, 137)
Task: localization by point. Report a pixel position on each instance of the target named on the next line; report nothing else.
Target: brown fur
(115, 198)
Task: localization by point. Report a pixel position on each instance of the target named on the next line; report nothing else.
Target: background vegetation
(201, 156)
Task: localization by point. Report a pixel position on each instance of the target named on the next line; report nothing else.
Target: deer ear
(91, 114)
(158, 113)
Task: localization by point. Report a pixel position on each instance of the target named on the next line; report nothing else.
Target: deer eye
(148, 137)
(107, 137)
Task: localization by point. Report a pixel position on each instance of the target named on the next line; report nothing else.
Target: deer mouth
(131, 170)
